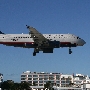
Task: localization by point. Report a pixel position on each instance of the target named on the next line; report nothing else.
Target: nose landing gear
(70, 51)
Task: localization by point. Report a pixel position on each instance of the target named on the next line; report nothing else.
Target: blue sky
(47, 16)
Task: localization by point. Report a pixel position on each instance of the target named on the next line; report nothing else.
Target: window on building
(35, 75)
(40, 81)
(63, 78)
(30, 82)
(45, 78)
(40, 78)
(22, 78)
(40, 75)
(29, 75)
(23, 75)
(57, 77)
(29, 78)
(35, 78)
(57, 81)
(58, 85)
(68, 82)
(35, 82)
(62, 81)
(51, 78)
(40, 84)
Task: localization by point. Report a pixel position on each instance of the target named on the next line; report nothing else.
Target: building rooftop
(28, 72)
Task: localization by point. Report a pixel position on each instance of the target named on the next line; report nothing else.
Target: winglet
(1, 32)
(27, 26)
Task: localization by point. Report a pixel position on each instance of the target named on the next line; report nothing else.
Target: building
(66, 80)
(58, 80)
(1, 79)
(80, 79)
(39, 79)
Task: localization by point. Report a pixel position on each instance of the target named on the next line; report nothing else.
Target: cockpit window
(78, 38)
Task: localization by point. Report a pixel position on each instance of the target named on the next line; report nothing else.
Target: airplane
(41, 42)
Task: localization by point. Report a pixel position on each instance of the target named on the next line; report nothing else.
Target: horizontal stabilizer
(1, 32)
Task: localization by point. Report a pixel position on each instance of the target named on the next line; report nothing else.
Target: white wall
(86, 85)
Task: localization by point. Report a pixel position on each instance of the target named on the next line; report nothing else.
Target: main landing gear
(70, 51)
(36, 50)
(34, 53)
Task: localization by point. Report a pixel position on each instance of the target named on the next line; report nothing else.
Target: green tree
(48, 85)
(7, 85)
(15, 86)
(25, 85)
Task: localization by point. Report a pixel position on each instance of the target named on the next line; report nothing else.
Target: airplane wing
(37, 37)
(42, 43)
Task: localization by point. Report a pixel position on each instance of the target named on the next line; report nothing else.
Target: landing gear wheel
(36, 50)
(34, 53)
(70, 51)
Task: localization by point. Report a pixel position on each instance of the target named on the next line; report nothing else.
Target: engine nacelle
(54, 44)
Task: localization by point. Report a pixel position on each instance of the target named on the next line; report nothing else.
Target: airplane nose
(83, 42)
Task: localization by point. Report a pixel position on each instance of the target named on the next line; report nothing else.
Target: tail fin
(1, 32)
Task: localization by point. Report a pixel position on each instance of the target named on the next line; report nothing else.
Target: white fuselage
(11, 39)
